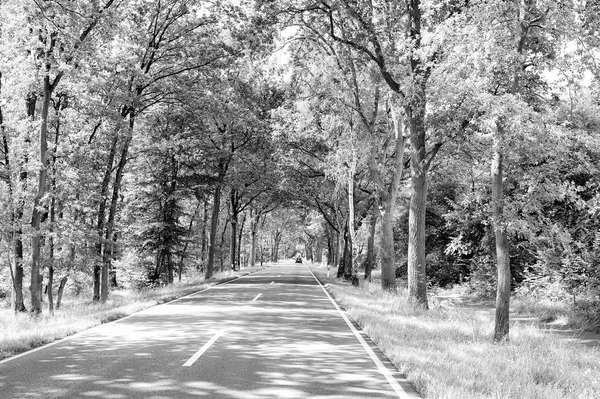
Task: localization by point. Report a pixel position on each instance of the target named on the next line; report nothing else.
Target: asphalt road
(272, 334)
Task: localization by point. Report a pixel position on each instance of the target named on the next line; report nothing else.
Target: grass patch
(19, 333)
(448, 353)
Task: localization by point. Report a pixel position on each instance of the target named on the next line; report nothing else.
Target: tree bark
(233, 232)
(387, 201)
(203, 237)
(371, 246)
(100, 225)
(61, 288)
(113, 209)
(501, 327)
(254, 221)
(239, 242)
(37, 212)
(214, 223)
(352, 267)
(17, 299)
(417, 281)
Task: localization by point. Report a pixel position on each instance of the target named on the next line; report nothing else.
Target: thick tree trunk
(387, 254)
(417, 283)
(417, 279)
(36, 215)
(18, 303)
(387, 202)
(214, 223)
(501, 327)
(371, 246)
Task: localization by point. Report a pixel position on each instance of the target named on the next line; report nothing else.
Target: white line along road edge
(204, 348)
(380, 366)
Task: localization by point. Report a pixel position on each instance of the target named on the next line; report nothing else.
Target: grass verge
(448, 353)
(20, 333)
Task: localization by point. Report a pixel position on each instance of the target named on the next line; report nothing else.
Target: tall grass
(448, 353)
(19, 333)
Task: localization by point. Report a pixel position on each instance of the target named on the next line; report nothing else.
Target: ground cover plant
(448, 353)
(21, 332)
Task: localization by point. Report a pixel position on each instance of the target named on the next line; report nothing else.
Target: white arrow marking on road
(256, 297)
(202, 350)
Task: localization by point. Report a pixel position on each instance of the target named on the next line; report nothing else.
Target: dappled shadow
(289, 343)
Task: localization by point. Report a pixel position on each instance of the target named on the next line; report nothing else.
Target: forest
(422, 143)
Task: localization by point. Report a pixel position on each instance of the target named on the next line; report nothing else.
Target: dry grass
(22, 332)
(448, 353)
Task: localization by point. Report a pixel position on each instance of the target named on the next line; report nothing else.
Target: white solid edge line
(201, 351)
(8, 359)
(256, 297)
(380, 366)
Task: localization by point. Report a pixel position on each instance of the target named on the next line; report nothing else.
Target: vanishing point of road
(275, 333)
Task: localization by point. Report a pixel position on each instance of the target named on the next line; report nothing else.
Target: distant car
(298, 260)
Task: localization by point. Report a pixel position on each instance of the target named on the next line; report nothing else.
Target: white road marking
(78, 334)
(279, 275)
(271, 282)
(380, 366)
(202, 350)
(256, 297)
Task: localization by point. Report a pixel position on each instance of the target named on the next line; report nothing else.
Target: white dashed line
(256, 297)
(202, 350)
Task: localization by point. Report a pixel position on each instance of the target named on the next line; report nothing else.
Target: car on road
(298, 259)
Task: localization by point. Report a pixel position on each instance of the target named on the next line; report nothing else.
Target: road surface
(271, 334)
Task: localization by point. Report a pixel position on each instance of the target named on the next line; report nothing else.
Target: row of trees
(497, 106)
(441, 139)
(124, 125)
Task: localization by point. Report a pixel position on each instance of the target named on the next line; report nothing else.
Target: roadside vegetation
(21, 332)
(447, 352)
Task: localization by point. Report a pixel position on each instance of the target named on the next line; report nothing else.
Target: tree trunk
(214, 223)
(203, 237)
(50, 286)
(221, 266)
(417, 280)
(239, 241)
(351, 268)
(387, 202)
(61, 288)
(17, 302)
(101, 245)
(113, 209)
(254, 221)
(371, 246)
(36, 216)
(501, 327)
(170, 266)
(233, 239)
